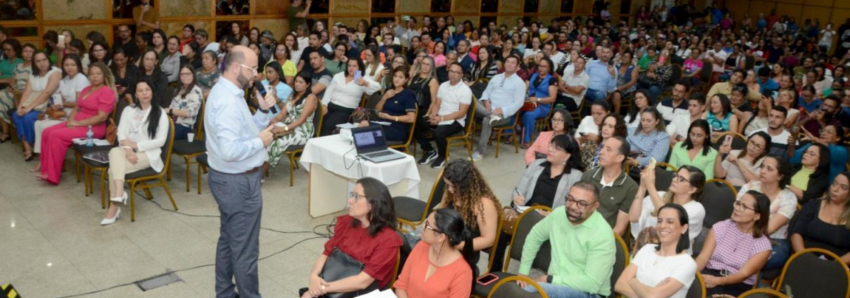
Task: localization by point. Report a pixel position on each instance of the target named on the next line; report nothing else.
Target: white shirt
(557, 57)
(530, 53)
(636, 122)
(719, 54)
(347, 95)
(368, 72)
(785, 204)
(574, 80)
(679, 126)
(781, 139)
(696, 214)
(652, 269)
(68, 88)
(587, 126)
(451, 97)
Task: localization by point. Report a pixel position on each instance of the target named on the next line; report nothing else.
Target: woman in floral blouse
(186, 104)
(294, 124)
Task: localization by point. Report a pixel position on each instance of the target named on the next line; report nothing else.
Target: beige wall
(835, 11)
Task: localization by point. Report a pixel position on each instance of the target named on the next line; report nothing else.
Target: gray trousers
(486, 128)
(241, 205)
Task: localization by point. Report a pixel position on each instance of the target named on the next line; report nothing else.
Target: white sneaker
(476, 156)
(494, 118)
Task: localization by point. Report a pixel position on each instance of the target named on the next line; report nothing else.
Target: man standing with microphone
(236, 142)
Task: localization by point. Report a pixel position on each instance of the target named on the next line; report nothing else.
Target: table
(334, 169)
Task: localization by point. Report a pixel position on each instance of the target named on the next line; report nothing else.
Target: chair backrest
(526, 221)
(169, 143)
(621, 262)
(470, 117)
(436, 196)
(677, 74)
(199, 123)
(508, 288)
(763, 292)
(412, 127)
(718, 198)
(697, 289)
(317, 119)
(832, 278)
(705, 74)
(739, 141)
(664, 177)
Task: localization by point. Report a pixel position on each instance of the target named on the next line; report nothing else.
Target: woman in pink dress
(93, 108)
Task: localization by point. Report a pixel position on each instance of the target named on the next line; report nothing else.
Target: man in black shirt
(315, 46)
(776, 50)
(127, 43)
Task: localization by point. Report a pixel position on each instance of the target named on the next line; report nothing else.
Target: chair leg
(133, 201)
(76, 165)
(168, 192)
(199, 177)
(498, 140)
(103, 189)
(188, 172)
(468, 144)
(168, 172)
(86, 180)
(291, 170)
(148, 193)
(516, 142)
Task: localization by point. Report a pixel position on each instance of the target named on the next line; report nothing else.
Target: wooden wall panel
(510, 6)
(176, 28)
(350, 7)
(63, 10)
(792, 10)
(550, 7)
(278, 28)
(464, 6)
(823, 13)
(842, 4)
(757, 7)
(827, 3)
(838, 18)
(418, 6)
(188, 8)
(80, 31)
(509, 21)
(460, 19)
(265, 7)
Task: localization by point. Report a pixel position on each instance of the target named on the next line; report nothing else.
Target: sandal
(525, 146)
(510, 139)
(5, 138)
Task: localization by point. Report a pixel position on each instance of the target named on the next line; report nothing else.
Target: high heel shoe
(122, 199)
(108, 221)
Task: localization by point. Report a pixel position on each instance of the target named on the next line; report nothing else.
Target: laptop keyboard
(379, 154)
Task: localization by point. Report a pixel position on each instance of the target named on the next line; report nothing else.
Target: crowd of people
(596, 103)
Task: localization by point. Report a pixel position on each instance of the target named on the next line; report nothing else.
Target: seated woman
(695, 150)
(42, 85)
(644, 210)
(287, 68)
(468, 193)
(655, 77)
(741, 166)
(208, 75)
(587, 133)
(627, 77)
(665, 269)
(719, 115)
(274, 80)
(439, 266)
(8, 67)
(649, 140)
(825, 223)
(542, 92)
(757, 120)
(126, 73)
(186, 104)
(832, 136)
(367, 234)
(642, 101)
(773, 180)
(811, 179)
(612, 125)
(343, 95)
(142, 132)
(736, 249)
(398, 107)
(294, 124)
(481, 72)
(561, 123)
(339, 62)
(72, 83)
(545, 182)
(92, 109)
(149, 70)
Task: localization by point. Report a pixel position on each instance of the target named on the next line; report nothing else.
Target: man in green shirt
(296, 14)
(583, 251)
(616, 189)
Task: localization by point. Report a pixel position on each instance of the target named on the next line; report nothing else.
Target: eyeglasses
(757, 146)
(582, 204)
(429, 227)
(680, 178)
(253, 69)
(557, 120)
(356, 196)
(740, 205)
(455, 72)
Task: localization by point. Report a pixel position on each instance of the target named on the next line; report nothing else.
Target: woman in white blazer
(142, 132)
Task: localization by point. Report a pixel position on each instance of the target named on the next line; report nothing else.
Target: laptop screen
(369, 139)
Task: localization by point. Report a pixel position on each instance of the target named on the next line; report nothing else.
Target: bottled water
(89, 137)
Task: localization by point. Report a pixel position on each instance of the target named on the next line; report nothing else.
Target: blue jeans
(529, 118)
(654, 92)
(26, 125)
(557, 291)
(592, 96)
(182, 132)
(781, 253)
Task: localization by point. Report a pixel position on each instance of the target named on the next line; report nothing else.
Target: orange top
(451, 281)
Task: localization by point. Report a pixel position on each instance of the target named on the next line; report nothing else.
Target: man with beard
(236, 142)
(725, 88)
(582, 239)
(617, 189)
(128, 44)
(776, 129)
(315, 46)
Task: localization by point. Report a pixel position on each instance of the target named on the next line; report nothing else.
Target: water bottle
(89, 137)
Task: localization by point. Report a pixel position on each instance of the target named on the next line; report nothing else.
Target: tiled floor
(51, 243)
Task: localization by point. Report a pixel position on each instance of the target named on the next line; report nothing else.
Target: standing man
(500, 101)
(147, 19)
(236, 142)
(603, 78)
(297, 14)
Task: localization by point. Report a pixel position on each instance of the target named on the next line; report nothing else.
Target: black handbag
(340, 266)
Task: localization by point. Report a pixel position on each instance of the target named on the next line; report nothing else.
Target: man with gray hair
(236, 146)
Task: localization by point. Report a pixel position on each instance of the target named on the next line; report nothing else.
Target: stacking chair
(294, 151)
(405, 146)
(763, 292)
(508, 288)
(621, 261)
(815, 272)
(525, 223)
(664, 173)
(512, 127)
(464, 137)
(189, 151)
(80, 150)
(140, 179)
(718, 199)
(739, 141)
(412, 212)
(697, 289)
(203, 165)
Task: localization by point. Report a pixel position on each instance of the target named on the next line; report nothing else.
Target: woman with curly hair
(468, 193)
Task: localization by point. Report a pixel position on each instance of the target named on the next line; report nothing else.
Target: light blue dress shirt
(505, 93)
(232, 139)
(654, 144)
(600, 78)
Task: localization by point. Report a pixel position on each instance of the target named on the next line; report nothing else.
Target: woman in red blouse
(437, 267)
(367, 233)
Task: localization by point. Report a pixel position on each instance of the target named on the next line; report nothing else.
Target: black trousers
(439, 132)
(336, 115)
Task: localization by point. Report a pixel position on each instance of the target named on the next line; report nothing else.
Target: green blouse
(7, 67)
(679, 157)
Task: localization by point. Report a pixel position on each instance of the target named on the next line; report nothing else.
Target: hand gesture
(71, 123)
(725, 148)
(267, 136)
(362, 82)
(268, 101)
(647, 178)
(146, 8)
(317, 285)
(611, 70)
(131, 156)
(732, 159)
(390, 93)
(522, 283)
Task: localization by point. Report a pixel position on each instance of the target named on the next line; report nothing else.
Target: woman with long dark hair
(209, 73)
(367, 234)
(685, 190)
(641, 102)
(543, 90)
(142, 132)
(561, 123)
(439, 266)
(296, 118)
(149, 70)
(648, 140)
(665, 269)
(742, 166)
(825, 223)
(72, 84)
(811, 177)
(696, 149)
(186, 104)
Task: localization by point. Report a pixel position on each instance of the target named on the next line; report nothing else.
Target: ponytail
(468, 252)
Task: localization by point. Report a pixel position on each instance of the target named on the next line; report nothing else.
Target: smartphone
(652, 163)
(727, 140)
(487, 279)
(61, 39)
(357, 76)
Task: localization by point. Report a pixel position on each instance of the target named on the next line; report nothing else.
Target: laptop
(372, 145)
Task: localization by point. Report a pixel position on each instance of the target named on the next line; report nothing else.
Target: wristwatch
(264, 111)
(550, 278)
(135, 150)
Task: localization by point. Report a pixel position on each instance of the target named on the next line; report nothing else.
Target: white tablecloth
(337, 156)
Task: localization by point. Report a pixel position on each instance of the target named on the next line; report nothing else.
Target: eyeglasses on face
(740, 205)
(356, 196)
(429, 227)
(582, 204)
(680, 178)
